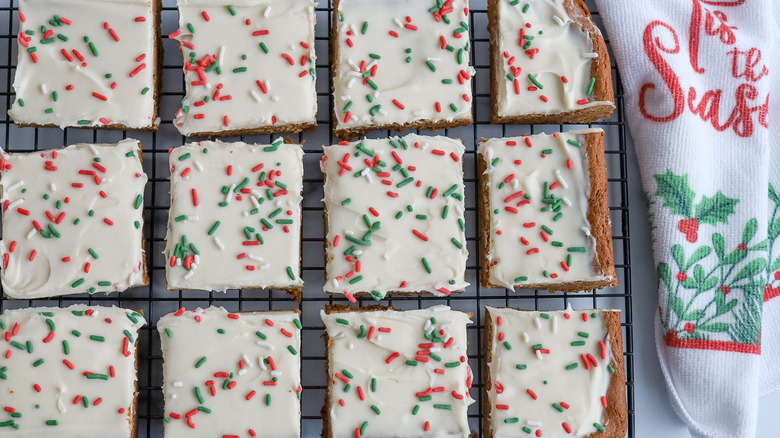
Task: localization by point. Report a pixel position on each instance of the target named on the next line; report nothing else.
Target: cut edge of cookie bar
(598, 217)
(600, 69)
(616, 412)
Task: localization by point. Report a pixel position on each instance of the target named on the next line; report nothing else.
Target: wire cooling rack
(155, 301)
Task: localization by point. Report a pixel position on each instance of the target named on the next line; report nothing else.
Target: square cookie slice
(394, 216)
(87, 64)
(401, 64)
(69, 372)
(235, 217)
(399, 371)
(554, 374)
(231, 374)
(73, 220)
(545, 216)
(549, 63)
(249, 67)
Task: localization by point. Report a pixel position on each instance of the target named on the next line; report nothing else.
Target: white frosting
(557, 49)
(273, 85)
(398, 44)
(414, 201)
(44, 382)
(60, 80)
(528, 245)
(52, 245)
(533, 386)
(249, 381)
(245, 230)
(423, 371)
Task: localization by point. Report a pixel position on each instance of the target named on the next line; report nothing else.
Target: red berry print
(690, 227)
(725, 289)
(682, 276)
(777, 275)
(689, 327)
(742, 246)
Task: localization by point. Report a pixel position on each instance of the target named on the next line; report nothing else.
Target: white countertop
(653, 412)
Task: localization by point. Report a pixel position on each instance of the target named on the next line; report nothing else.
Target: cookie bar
(73, 220)
(399, 371)
(249, 67)
(394, 216)
(231, 374)
(235, 217)
(545, 214)
(69, 372)
(400, 64)
(87, 64)
(549, 63)
(554, 374)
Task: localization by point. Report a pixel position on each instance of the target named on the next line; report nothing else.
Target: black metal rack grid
(156, 301)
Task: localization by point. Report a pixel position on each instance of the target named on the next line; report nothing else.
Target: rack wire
(155, 300)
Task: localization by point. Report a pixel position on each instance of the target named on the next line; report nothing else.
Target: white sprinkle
(351, 82)
(356, 74)
(221, 55)
(266, 11)
(433, 59)
(178, 384)
(440, 308)
(370, 65)
(267, 85)
(385, 257)
(14, 204)
(198, 165)
(526, 338)
(242, 371)
(338, 336)
(427, 325)
(93, 148)
(560, 179)
(434, 349)
(397, 22)
(566, 201)
(351, 346)
(53, 187)
(31, 233)
(255, 258)
(193, 218)
(265, 344)
(255, 96)
(254, 201)
(371, 321)
(537, 322)
(262, 363)
(418, 113)
(16, 186)
(43, 89)
(555, 324)
(558, 20)
(446, 325)
(357, 252)
(590, 55)
(335, 283)
(539, 354)
(208, 85)
(585, 230)
(173, 396)
(276, 373)
(189, 274)
(265, 266)
(533, 423)
(275, 98)
(229, 194)
(219, 243)
(382, 112)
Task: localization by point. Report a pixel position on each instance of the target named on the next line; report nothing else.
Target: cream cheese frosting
(401, 62)
(231, 374)
(550, 372)
(538, 190)
(395, 216)
(72, 220)
(546, 59)
(86, 63)
(235, 216)
(68, 372)
(249, 64)
(401, 374)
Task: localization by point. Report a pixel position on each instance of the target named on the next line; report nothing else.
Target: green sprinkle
(200, 362)
(97, 338)
(583, 334)
(231, 9)
(521, 366)
(416, 409)
(199, 395)
(292, 350)
(364, 29)
(373, 385)
(93, 253)
(535, 82)
(52, 422)
(76, 333)
(512, 420)
(77, 283)
(611, 369)
(507, 345)
(589, 91)
(574, 142)
(38, 362)
(376, 409)
(572, 366)
(557, 407)
(356, 279)
(97, 376)
(411, 363)
(290, 273)
(139, 201)
(430, 66)
(456, 243)
(342, 321)
(599, 427)
(268, 399)
(263, 47)
(442, 406)
(577, 249)
(426, 265)
(578, 343)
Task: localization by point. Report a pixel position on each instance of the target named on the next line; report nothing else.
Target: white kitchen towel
(770, 335)
(696, 84)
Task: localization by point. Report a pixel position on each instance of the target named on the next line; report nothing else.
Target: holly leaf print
(714, 327)
(749, 231)
(754, 267)
(719, 243)
(715, 209)
(676, 193)
(665, 274)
